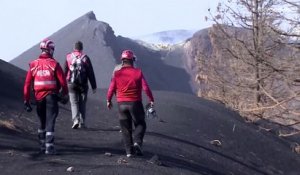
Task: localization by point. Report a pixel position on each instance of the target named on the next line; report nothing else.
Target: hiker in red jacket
(79, 71)
(128, 83)
(48, 79)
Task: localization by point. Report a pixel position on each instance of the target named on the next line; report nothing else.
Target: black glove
(63, 98)
(27, 106)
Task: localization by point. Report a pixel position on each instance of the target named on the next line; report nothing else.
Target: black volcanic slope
(182, 140)
(10, 77)
(105, 48)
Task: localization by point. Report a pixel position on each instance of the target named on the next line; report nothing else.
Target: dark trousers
(132, 112)
(47, 111)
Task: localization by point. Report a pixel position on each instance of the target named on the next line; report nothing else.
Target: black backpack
(78, 75)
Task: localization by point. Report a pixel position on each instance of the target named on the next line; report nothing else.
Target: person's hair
(78, 45)
(127, 61)
(48, 51)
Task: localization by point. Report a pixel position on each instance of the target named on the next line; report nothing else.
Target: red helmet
(47, 44)
(128, 54)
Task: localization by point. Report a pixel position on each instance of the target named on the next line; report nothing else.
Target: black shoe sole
(75, 126)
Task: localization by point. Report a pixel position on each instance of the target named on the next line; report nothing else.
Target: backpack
(78, 75)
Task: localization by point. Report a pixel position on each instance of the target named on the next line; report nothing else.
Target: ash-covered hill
(105, 48)
(185, 55)
(194, 136)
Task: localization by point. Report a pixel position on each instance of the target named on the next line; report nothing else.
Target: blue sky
(25, 23)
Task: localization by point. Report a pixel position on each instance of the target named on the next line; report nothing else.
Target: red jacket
(47, 77)
(128, 83)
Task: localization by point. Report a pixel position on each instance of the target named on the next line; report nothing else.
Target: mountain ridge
(169, 37)
(104, 49)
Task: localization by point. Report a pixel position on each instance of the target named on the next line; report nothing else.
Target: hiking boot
(50, 150)
(82, 126)
(42, 148)
(138, 149)
(75, 124)
(130, 152)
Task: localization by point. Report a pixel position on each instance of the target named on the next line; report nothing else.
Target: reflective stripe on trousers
(42, 138)
(49, 139)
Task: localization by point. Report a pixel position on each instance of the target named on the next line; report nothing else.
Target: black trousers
(47, 111)
(132, 112)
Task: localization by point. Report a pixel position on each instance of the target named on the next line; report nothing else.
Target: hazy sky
(24, 23)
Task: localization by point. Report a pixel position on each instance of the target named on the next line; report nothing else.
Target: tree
(255, 65)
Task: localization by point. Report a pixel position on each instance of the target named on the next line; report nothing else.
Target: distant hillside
(166, 37)
(231, 80)
(12, 80)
